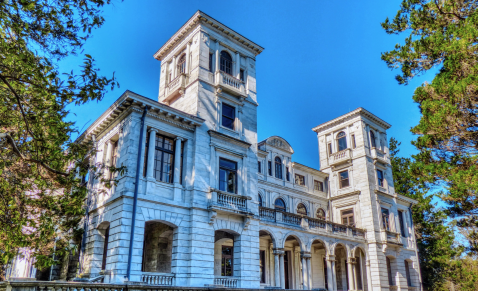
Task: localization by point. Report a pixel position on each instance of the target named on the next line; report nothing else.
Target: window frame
(373, 143)
(163, 151)
(225, 257)
(341, 136)
(329, 148)
(385, 213)
(181, 66)
(259, 167)
(299, 176)
(227, 170)
(278, 167)
(401, 221)
(233, 118)
(407, 274)
(317, 214)
(259, 200)
(301, 205)
(347, 216)
(341, 180)
(287, 174)
(380, 178)
(242, 75)
(211, 62)
(226, 65)
(318, 185)
(280, 208)
(269, 164)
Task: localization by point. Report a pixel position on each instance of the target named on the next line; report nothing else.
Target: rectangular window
(353, 141)
(347, 216)
(262, 265)
(344, 179)
(227, 176)
(210, 62)
(145, 163)
(228, 116)
(402, 223)
(258, 166)
(269, 164)
(227, 261)
(389, 272)
(299, 180)
(380, 178)
(241, 75)
(287, 174)
(114, 157)
(163, 159)
(319, 186)
(329, 146)
(181, 163)
(407, 272)
(385, 219)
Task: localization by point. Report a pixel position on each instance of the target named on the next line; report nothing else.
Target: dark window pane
(279, 204)
(227, 164)
(259, 167)
(342, 143)
(344, 179)
(372, 138)
(402, 223)
(241, 74)
(227, 122)
(210, 62)
(380, 178)
(228, 111)
(278, 168)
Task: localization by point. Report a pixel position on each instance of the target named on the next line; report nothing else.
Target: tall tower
(353, 150)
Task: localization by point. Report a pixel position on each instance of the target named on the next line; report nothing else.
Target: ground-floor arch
(158, 247)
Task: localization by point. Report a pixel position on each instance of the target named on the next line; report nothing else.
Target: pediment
(279, 143)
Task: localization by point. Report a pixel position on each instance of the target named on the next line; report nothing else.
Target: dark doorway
(105, 248)
(286, 269)
(325, 275)
(262, 262)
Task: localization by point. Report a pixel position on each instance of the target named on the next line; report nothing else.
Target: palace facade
(204, 203)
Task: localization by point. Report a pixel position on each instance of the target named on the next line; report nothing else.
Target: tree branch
(18, 153)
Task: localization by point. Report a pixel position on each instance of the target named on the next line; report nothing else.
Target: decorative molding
(357, 112)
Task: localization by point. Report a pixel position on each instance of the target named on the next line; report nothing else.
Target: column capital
(279, 252)
(351, 260)
(305, 255)
(153, 130)
(330, 258)
(178, 138)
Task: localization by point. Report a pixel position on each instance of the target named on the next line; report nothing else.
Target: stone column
(282, 271)
(109, 148)
(331, 272)
(369, 279)
(309, 272)
(350, 264)
(174, 69)
(277, 272)
(188, 65)
(238, 65)
(304, 273)
(151, 152)
(217, 56)
(177, 170)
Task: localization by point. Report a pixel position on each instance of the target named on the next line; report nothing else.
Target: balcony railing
(378, 154)
(175, 87)
(227, 282)
(392, 237)
(158, 279)
(277, 216)
(230, 83)
(230, 201)
(340, 157)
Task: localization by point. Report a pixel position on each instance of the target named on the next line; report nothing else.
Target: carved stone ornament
(278, 143)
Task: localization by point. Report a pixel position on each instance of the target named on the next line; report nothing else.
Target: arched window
(279, 204)
(226, 62)
(372, 138)
(301, 209)
(320, 213)
(260, 200)
(182, 64)
(278, 168)
(341, 141)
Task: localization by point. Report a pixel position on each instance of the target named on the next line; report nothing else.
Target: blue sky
(321, 60)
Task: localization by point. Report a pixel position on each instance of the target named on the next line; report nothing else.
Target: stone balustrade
(158, 279)
(340, 157)
(175, 86)
(296, 220)
(227, 282)
(228, 201)
(230, 83)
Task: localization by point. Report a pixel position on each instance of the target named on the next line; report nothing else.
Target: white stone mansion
(204, 203)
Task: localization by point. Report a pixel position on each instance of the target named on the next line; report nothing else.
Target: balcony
(230, 84)
(226, 281)
(313, 224)
(160, 279)
(379, 155)
(175, 88)
(340, 157)
(228, 202)
(392, 237)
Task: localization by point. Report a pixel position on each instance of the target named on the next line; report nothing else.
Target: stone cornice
(130, 101)
(228, 138)
(406, 199)
(197, 18)
(296, 165)
(357, 112)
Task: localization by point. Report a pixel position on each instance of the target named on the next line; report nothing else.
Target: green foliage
(41, 192)
(434, 238)
(443, 34)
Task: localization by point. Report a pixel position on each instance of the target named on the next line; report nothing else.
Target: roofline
(361, 111)
(201, 16)
(325, 175)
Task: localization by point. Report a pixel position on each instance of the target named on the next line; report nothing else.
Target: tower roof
(358, 111)
(201, 17)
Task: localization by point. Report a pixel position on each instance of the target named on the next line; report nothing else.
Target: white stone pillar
(174, 69)
(350, 272)
(309, 272)
(188, 50)
(177, 170)
(282, 271)
(217, 56)
(151, 153)
(369, 278)
(277, 272)
(238, 65)
(304, 273)
(109, 149)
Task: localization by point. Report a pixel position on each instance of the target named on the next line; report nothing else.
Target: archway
(359, 270)
(158, 247)
(341, 274)
(293, 276)
(319, 276)
(267, 264)
(225, 257)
